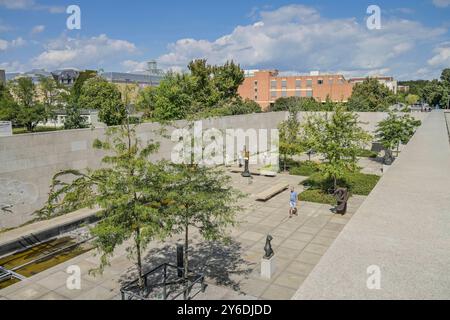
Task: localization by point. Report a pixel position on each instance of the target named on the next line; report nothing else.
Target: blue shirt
(294, 196)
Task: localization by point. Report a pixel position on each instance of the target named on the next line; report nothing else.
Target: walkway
(403, 227)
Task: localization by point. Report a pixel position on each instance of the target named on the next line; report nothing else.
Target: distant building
(66, 77)
(91, 117)
(150, 77)
(387, 81)
(403, 89)
(36, 75)
(2, 77)
(266, 86)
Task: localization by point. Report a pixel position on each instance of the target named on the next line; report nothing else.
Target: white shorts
(293, 204)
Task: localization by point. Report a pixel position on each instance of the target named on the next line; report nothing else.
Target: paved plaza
(233, 269)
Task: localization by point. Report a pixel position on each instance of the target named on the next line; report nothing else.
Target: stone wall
(29, 161)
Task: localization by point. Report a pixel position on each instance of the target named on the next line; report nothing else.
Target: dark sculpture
(388, 157)
(341, 195)
(268, 248)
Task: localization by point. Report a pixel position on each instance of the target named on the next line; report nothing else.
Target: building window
(256, 83)
(284, 93)
(298, 93)
(273, 94)
(309, 83)
(283, 84)
(309, 93)
(320, 81)
(298, 83)
(273, 84)
(256, 89)
(256, 97)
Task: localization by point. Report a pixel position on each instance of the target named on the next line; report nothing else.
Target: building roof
(140, 78)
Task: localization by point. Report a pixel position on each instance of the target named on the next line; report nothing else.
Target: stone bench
(272, 191)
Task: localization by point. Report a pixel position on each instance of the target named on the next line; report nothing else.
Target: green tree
(103, 96)
(74, 119)
(289, 137)
(128, 191)
(8, 107)
(75, 92)
(52, 95)
(411, 99)
(297, 103)
(173, 99)
(227, 79)
(338, 138)
(396, 129)
(370, 95)
(29, 111)
(200, 198)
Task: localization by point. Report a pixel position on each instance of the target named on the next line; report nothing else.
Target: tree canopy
(370, 95)
(338, 137)
(396, 129)
(101, 95)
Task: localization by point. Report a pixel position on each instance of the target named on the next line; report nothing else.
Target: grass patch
(37, 129)
(319, 187)
(305, 168)
(318, 196)
(364, 153)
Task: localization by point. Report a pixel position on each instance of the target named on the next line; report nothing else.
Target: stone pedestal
(267, 267)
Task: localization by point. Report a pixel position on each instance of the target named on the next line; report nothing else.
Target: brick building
(266, 86)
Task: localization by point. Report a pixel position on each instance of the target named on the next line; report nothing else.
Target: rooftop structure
(389, 82)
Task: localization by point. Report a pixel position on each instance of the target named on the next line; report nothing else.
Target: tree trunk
(139, 259)
(186, 260)
(285, 160)
(335, 183)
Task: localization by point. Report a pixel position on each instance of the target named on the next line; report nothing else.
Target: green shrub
(306, 168)
(318, 196)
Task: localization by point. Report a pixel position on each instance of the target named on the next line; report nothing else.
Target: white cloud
(65, 51)
(441, 56)
(297, 37)
(38, 29)
(441, 3)
(17, 4)
(15, 43)
(14, 66)
(134, 66)
(30, 5)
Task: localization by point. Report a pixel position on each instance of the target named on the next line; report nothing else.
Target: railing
(132, 291)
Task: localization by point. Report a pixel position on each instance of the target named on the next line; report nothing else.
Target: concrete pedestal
(267, 267)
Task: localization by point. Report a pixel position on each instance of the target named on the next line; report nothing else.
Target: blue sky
(292, 36)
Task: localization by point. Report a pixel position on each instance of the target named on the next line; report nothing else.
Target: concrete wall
(29, 161)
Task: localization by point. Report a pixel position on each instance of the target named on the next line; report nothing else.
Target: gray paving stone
(316, 248)
(290, 280)
(308, 257)
(54, 281)
(300, 268)
(277, 292)
(30, 292)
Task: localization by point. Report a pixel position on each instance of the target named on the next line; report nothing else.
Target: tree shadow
(221, 263)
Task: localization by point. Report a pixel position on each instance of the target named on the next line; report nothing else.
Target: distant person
(293, 203)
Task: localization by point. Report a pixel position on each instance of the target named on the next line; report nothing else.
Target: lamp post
(246, 172)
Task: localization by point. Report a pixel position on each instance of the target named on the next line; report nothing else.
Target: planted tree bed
(319, 188)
